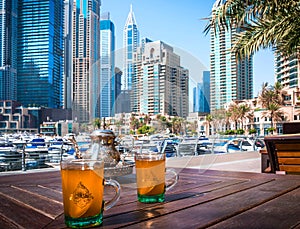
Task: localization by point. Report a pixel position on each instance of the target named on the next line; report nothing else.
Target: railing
(43, 155)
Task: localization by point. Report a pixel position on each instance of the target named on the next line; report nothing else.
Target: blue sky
(180, 24)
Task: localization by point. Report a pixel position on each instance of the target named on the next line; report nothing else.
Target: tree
(209, 119)
(271, 98)
(234, 112)
(263, 24)
(134, 122)
(97, 123)
(176, 125)
(244, 110)
(274, 113)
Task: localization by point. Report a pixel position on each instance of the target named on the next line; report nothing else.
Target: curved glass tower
(131, 42)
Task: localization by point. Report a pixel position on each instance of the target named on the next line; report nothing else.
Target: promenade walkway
(247, 161)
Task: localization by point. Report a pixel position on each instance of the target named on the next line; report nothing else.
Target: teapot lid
(102, 133)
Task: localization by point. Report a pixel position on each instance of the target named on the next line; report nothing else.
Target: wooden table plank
(283, 207)
(40, 177)
(20, 215)
(39, 202)
(211, 212)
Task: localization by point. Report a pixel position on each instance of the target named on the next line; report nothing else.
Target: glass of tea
(83, 186)
(151, 173)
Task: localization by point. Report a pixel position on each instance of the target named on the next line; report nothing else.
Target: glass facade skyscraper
(8, 49)
(68, 71)
(231, 78)
(201, 94)
(107, 75)
(86, 60)
(40, 53)
(131, 42)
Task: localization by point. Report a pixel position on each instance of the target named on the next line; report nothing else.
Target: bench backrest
(288, 156)
(284, 153)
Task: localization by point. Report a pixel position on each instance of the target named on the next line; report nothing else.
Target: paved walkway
(248, 161)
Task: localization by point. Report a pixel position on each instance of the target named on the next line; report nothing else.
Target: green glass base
(84, 222)
(151, 199)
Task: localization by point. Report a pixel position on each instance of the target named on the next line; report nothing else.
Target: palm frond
(264, 24)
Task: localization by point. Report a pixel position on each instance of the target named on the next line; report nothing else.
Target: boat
(59, 149)
(37, 149)
(170, 147)
(10, 157)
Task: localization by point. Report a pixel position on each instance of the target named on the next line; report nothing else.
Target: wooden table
(201, 199)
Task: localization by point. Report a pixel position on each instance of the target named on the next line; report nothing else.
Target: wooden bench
(265, 161)
(284, 153)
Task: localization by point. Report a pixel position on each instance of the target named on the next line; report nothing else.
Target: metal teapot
(103, 147)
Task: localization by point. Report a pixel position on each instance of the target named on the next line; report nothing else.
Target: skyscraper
(159, 84)
(40, 53)
(68, 71)
(131, 42)
(231, 78)
(86, 60)
(107, 75)
(201, 94)
(8, 49)
(287, 71)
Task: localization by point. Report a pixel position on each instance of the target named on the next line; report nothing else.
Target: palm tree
(250, 117)
(209, 119)
(271, 94)
(97, 123)
(271, 99)
(234, 113)
(264, 24)
(276, 113)
(134, 122)
(176, 123)
(244, 109)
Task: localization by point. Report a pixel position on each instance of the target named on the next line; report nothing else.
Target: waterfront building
(59, 128)
(201, 94)
(8, 49)
(159, 83)
(130, 44)
(68, 70)
(40, 53)
(287, 73)
(107, 75)
(14, 117)
(259, 118)
(231, 78)
(86, 60)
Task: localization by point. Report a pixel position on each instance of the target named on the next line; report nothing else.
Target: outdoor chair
(284, 153)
